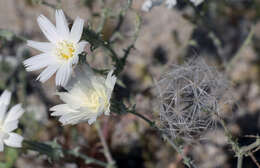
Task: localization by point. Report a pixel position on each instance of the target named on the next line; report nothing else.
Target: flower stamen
(93, 101)
(65, 50)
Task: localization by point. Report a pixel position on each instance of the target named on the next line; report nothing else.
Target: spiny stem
(244, 150)
(187, 161)
(254, 159)
(228, 134)
(239, 151)
(121, 63)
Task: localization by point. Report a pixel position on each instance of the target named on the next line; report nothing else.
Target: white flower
(170, 3)
(61, 52)
(9, 122)
(147, 5)
(196, 2)
(87, 98)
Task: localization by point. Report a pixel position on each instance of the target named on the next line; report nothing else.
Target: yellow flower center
(65, 50)
(93, 100)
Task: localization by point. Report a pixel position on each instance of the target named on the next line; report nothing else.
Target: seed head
(190, 96)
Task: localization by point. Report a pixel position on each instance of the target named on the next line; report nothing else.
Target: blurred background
(216, 30)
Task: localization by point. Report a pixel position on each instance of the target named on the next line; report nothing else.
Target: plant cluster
(191, 96)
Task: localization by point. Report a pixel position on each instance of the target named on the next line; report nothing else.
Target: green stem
(56, 152)
(49, 5)
(114, 55)
(103, 20)
(88, 160)
(151, 123)
(240, 162)
(237, 55)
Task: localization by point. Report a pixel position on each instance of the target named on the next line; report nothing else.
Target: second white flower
(87, 98)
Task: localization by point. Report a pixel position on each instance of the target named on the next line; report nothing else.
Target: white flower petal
(80, 48)
(111, 80)
(1, 145)
(10, 122)
(82, 76)
(63, 75)
(91, 121)
(60, 107)
(3, 109)
(61, 24)
(71, 118)
(78, 117)
(98, 85)
(10, 126)
(47, 73)
(60, 113)
(147, 5)
(171, 3)
(14, 140)
(48, 29)
(39, 61)
(4, 102)
(75, 59)
(15, 113)
(5, 97)
(72, 101)
(76, 30)
(41, 46)
(196, 2)
(107, 112)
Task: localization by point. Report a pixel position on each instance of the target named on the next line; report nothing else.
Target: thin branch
(244, 150)
(237, 55)
(254, 159)
(151, 123)
(187, 161)
(107, 153)
(257, 149)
